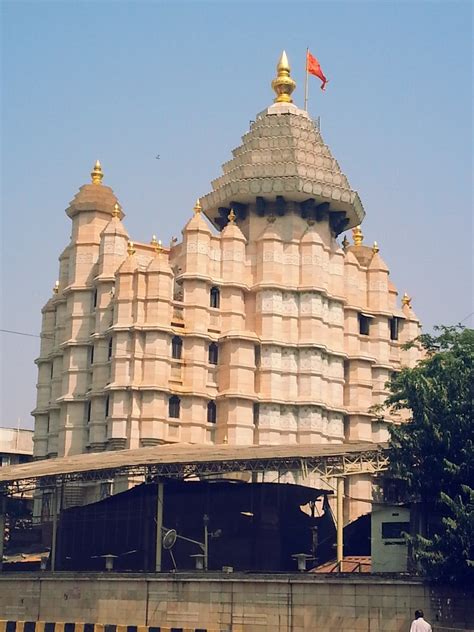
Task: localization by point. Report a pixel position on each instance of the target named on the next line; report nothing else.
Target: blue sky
(124, 81)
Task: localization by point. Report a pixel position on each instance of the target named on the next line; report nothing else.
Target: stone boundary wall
(230, 603)
(49, 626)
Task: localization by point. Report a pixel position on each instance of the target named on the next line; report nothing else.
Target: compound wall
(233, 603)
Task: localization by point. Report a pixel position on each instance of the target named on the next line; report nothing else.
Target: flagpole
(306, 82)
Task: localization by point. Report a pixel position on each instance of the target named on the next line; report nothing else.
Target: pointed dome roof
(197, 222)
(350, 258)
(115, 226)
(160, 263)
(270, 231)
(377, 263)
(283, 154)
(94, 196)
(311, 235)
(231, 230)
(130, 264)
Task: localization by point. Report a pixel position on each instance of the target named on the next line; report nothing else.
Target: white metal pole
(340, 521)
(206, 542)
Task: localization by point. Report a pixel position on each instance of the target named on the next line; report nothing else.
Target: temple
(261, 326)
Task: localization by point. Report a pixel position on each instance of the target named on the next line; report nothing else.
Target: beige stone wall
(292, 364)
(236, 604)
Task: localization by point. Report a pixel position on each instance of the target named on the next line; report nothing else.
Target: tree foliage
(434, 452)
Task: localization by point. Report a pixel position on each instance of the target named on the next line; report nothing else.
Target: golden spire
(345, 243)
(197, 207)
(96, 173)
(283, 84)
(406, 300)
(116, 211)
(56, 287)
(130, 249)
(153, 241)
(375, 248)
(231, 216)
(357, 236)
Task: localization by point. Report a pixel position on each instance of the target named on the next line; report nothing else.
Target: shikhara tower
(258, 329)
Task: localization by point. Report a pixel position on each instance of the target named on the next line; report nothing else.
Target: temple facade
(261, 326)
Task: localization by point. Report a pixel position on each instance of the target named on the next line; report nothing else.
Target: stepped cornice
(283, 155)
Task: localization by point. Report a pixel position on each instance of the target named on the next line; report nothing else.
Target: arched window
(213, 354)
(107, 406)
(91, 354)
(110, 349)
(174, 407)
(215, 297)
(176, 347)
(211, 413)
(94, 298)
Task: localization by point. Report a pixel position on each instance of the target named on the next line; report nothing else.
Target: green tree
(434, 452)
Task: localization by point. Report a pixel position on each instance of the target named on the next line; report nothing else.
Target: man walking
(419, 624)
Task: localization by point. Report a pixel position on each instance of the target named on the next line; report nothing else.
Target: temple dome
(283, 154)
(94, 196)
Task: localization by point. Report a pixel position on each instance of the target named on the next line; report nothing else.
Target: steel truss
(330, 466)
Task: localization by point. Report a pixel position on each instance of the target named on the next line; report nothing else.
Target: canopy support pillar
(159, 525)
(340, 522)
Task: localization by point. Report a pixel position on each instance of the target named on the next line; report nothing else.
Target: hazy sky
(124, 81)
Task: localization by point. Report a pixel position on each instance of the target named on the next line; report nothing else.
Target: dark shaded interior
(252, 527)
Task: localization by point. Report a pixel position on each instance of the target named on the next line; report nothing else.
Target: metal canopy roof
(184, 460)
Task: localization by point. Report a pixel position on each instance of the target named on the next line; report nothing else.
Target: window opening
(213, 354)
(364, 325)
(394, 324)
(174, 407)
(215, 297)
(211, 413)
(176, 347)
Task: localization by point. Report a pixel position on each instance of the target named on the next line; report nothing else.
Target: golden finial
(225, 439)
(345, 243)
(283, 84)
(406, 300)
(153, 241)
(231, 216)
(159, 247)
(96, 173)
(375, 248)
(116, 211)
(130, 248)
(56, 287)
(357, 236)
(197, 207)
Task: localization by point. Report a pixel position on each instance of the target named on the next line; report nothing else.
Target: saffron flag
(313, 67)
